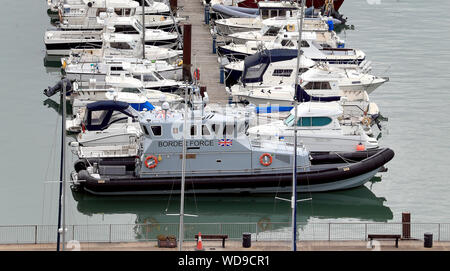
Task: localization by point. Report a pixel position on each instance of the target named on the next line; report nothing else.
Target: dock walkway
(202, 50)
(232, 245)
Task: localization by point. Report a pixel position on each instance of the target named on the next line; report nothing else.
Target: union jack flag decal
(225, 142)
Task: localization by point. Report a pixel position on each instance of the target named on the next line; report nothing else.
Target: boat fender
(360, 147)
(80, 165)
(197, 74)
(60, 16)
(155, 161)
(263, 160)
(290, 27)
(84, 175)
(366, 121)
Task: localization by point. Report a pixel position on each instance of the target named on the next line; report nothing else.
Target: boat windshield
(289, 121)
(138, 26)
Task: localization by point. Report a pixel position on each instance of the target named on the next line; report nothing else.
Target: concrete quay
(385, 245)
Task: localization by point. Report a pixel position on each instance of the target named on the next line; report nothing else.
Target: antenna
(183, 176)
(143, 29)
(62, 183)
(296, 100)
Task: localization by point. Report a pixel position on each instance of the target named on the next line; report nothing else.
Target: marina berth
(136, 134)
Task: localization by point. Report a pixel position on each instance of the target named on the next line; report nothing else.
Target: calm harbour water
(405, 40)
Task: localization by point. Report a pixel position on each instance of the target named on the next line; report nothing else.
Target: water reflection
(52, 62)
(356, 204)
(52, 104)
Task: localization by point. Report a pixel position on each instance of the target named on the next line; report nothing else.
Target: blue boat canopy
(107, 105)
(101, 114)
(302, 96)
(256, 65)
(230, 11)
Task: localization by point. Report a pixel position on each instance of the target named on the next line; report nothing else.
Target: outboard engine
(50, 91)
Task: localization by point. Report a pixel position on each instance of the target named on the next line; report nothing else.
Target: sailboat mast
(62, 172)
(143, 29)
(183, 173)
(296, 100)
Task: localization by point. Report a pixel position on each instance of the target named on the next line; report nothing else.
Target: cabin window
(282, 13)
(120, 45)
(314, 121)
(287, 43)
(228, 130)
(98, 116)
(115, 68)
(289, 121)
(215, 128)
(265, 14)
(193, 130)
(205, 130)
(273, 13)
(282, 72)
(255, 72)
(157, 75)
(138, 26)
(127, 29)
(100, 10)
(146, 77)
(156, 130)
(131, 90)
(127, 11)
(145, 130)
(302, 70)
(272, 31)
(305, 44)
(318, 85)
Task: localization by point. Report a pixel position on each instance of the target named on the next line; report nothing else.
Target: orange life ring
(267, 163)
(154, 159)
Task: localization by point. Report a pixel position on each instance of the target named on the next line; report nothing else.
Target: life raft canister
(263, 160)
(155, 161)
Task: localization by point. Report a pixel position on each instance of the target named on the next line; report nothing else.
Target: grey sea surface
(406, 40)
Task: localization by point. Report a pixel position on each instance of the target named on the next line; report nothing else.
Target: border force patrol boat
(220, 158)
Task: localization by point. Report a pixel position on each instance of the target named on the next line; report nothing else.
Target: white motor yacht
(84, 71)
(58, 42)
(122, 46)
(320, 127)
(279, 73)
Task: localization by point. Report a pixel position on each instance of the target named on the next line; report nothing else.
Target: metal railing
(270, 231)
